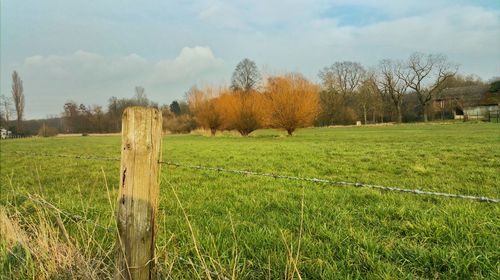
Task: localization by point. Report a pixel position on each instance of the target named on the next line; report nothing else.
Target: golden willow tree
(243, 111)
(292, 102)
(205, 106)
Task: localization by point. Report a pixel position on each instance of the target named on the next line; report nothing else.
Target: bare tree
(340, 82)
(392, 85)
(342, 77)
(18, 97)
(426, 74)
(246, 76)
(6, 108)
(369, 94)
(139, 91)
(140, 97)
(460, 80)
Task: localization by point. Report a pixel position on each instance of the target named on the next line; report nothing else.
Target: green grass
(246, 224)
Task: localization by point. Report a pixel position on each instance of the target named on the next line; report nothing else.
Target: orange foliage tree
(206, 108)
(293, 102)
(243, 111)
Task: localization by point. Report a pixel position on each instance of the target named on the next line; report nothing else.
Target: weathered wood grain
(138, 194)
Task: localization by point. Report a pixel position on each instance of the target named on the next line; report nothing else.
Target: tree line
(13, 103)
(391, 91)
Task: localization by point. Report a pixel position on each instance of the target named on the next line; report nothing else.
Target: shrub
(179, 124)
(47, 131)
(206, 107)
(495, 86)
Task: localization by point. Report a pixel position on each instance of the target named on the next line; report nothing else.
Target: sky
(87, 51)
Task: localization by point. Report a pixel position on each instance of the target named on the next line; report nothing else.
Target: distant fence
(493, 116)
(10, 136)
(137, 203)
(487, 116)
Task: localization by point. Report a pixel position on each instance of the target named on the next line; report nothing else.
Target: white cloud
(82, 67)
(251, 15)
(87, 67)
(454, 31)
(222, 15)
(190, 63)
(93, 78)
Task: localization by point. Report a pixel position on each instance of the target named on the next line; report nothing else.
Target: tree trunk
(243, 133)
(425, 116)
(213, 131)
(290, 131)
(19, 125)
(364, 113)
(400, 116)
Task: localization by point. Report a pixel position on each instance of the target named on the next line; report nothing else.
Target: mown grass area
(250, 227)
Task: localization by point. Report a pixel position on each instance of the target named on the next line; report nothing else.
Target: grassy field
(250, 227)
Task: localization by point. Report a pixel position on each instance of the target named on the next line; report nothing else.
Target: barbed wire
(327, 181)
(287, 177)
(85, 157)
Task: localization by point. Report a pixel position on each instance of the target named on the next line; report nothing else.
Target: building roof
(471, 95)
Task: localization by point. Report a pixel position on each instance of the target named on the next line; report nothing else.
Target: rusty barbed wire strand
(327, 181)
(287, 177)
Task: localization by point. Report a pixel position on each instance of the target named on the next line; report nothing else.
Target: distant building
(4, 133)
(471, 102)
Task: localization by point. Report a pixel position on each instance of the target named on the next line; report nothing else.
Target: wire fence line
(286, 177)
(332, 182)
(40, 154)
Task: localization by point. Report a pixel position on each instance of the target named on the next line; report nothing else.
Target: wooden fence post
(138, 194)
